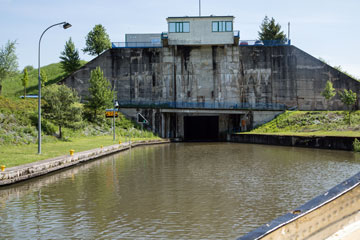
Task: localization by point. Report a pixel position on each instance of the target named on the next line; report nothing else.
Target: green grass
(311, 134)
(13, 155)
(312, 123)
(16, 120)
(18, 134)
(17, 105)
(18, 125)
(12, 87)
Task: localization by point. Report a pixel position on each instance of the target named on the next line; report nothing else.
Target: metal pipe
(288, 31)
(199, 8)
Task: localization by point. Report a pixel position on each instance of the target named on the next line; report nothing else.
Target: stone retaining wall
(324, 142)
(27, 171)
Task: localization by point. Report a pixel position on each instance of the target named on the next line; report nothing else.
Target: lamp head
(66, 25)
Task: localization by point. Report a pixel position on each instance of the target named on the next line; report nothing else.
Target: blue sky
(323, 28)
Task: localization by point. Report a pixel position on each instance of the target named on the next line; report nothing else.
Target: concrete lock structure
(201, 83)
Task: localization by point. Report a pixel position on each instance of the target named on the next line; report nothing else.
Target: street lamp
(65, 26)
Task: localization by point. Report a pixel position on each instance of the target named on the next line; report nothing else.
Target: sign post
(116, 105)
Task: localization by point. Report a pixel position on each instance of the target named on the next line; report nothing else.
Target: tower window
(179, 27)
(222, 26)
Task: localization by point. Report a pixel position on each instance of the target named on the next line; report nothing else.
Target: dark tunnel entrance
(201, 128)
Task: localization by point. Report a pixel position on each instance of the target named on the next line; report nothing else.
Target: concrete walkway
(27, 171)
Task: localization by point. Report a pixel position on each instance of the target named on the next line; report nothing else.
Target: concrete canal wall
(324, 142)
(332, 215)
(31, 170)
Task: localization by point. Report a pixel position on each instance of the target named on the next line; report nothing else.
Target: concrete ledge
(322, 217)
(31, 170)
(324, 142)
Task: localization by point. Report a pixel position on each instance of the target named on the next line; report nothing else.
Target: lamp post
(65, 26)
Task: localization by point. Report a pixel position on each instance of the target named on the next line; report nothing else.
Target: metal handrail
(136, 45)
(264, 42)
(203, 105)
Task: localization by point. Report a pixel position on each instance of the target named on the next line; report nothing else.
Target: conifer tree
(101, 95)
(70, 57)
(269, 30)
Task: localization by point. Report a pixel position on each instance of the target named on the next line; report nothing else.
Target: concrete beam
(204, 111)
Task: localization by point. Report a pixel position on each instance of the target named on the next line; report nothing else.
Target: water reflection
(184, 190)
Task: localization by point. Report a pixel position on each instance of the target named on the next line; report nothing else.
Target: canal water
(178, 190)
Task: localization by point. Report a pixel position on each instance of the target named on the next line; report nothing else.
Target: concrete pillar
(177, 125)
(153, 120)
(168, 127)
(223, 125)
(163, 125)
(243, 123)
(181, 126)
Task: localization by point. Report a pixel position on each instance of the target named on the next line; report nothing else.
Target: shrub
(48, 127)
(356, 145)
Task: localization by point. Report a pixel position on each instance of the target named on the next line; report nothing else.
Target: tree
(61, 105)
(29, 68)
(101, 95)
(25, 81)
(269, 30)
(70, 57)
(329, 91)
(8, 61)
(348, 97)
(97, 41)
(43, 77)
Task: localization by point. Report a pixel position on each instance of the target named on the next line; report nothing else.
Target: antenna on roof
(199, 8)
(289, 30)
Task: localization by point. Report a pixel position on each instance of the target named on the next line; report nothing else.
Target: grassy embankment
(312, 123)
(12, 87)
(18, 126)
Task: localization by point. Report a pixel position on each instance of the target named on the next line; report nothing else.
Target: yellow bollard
(2, 168)
(72, 152)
